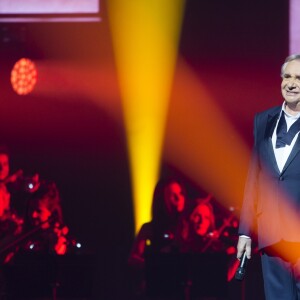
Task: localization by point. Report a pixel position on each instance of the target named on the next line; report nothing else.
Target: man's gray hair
(287, 60)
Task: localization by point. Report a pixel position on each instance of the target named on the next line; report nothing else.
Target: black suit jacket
(271, 202)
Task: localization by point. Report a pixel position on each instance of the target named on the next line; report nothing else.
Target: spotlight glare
(23, 76)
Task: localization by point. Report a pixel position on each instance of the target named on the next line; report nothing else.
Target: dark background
(236, 48)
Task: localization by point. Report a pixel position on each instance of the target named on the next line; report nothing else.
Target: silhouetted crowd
(171, 257)
(31, 219)
(173, 254)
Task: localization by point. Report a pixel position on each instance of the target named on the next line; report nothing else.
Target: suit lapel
(267, 143)
(270, 126)
(293, 154)
(271, 123)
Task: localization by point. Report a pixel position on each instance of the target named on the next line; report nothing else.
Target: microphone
(240, 272)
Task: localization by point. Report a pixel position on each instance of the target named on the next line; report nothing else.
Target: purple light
(294, 44)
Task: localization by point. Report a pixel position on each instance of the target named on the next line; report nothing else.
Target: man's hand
(244, 244)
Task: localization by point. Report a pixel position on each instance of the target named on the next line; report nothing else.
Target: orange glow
(82, 81)
(23, 76)
(201, 142)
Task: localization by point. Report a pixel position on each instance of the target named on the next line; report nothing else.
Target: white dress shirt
(282, 154)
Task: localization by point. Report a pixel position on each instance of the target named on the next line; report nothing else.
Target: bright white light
(49, 6)
(48, 20)
(30, 11)
(78, 245)
(294, 26)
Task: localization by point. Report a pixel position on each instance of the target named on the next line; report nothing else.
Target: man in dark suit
(271, 205)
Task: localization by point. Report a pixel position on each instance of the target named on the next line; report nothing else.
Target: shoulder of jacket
(271, 111)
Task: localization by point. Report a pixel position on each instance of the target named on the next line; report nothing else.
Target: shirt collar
(287, 114)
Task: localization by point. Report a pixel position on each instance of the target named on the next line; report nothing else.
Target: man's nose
(291, 84)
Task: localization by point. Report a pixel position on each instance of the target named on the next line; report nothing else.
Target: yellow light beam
(145, 38)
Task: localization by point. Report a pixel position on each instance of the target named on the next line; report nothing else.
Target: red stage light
(23, 76)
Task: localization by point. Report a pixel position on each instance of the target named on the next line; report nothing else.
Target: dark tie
(285, 137)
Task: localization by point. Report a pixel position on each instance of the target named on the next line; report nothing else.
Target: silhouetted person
(45, 217)
(11, 225)
(163, 234)
(203, 235)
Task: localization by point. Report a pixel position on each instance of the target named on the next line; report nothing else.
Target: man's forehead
(292, 66)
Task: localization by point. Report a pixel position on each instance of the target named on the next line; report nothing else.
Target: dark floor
(209, 284)
(37, 276)
(70, 277)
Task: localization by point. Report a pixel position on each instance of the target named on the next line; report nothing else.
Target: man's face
(290, 86)
(4, 166)
(201, 219)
